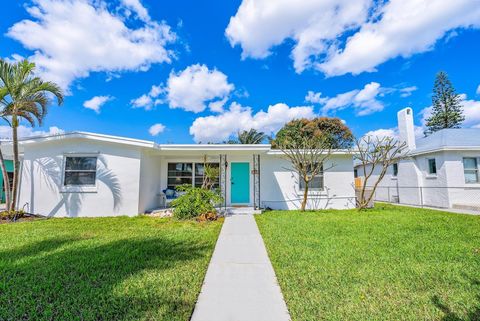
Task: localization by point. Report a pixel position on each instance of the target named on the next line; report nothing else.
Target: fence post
(421, 196)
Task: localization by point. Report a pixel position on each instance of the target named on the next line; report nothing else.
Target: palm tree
(25, 98)
(251, 136)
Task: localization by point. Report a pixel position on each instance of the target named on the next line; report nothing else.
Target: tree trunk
(305, 196)
(16, 164)
(6, 181)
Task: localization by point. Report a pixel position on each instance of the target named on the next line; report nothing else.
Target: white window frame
(78, 188)
(476, 170)
(310, 188)
(428, 167)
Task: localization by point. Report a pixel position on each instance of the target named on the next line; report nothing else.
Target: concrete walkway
(240, 284)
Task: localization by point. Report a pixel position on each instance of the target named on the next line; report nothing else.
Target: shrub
(194, 202)
(11, 215)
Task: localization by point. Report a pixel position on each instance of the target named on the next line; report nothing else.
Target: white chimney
(406, 129)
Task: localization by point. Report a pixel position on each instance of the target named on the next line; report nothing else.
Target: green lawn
(103, 268)
(390, 263)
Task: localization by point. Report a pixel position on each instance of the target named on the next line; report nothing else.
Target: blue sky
(361, 61)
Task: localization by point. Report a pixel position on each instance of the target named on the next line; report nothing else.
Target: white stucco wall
(150, 182)
(461, 193)
(117, 182)
(280, 184)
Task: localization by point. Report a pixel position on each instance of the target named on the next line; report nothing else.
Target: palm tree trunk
(6, 181)
(16, 164)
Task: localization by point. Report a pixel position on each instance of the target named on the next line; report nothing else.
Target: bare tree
(308, 156)
(376, 153)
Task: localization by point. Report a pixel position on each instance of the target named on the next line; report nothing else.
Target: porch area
(237, 179)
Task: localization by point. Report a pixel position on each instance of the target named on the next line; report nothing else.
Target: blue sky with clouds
(198, 71)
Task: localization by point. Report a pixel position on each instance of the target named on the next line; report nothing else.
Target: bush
(11, 215)
(195, 202)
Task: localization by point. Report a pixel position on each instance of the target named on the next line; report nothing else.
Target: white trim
(443, 149)
(86, 135)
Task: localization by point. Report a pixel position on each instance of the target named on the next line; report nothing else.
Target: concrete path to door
(240, 284)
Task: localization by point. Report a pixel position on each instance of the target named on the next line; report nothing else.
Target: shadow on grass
(449, 315)
(90, 281)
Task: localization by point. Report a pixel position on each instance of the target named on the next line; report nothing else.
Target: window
(179, 174)
(395, 169)
(200, 174)
(187, 173)
(355, 173)
(432, 166)
(315, 183)
(470, 170)
(80, 171)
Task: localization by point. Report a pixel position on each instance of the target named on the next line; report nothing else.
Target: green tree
(447, 108)
(335, 134)
(25, 98)
(251, 136)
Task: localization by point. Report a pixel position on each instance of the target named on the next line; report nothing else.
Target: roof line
(442, 149)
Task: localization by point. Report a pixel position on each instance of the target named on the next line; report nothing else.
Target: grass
(388, 263)
(103, 268)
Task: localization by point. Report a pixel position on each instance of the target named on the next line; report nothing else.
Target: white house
(440, 170)
(85, 174)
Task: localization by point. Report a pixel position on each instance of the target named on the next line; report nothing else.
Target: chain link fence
(466, 198)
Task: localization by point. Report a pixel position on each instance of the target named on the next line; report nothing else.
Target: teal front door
(240, 183)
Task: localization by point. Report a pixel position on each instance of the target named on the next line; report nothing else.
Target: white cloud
(383, 132)
(407, 91)
(364, 100)
(138, 8)
(218, 128)
(342, 36)
(471, 110)
(24, 131)
(194, 87)
(405, 27)
(97, 102)
(156, 129)
(478, 90)
(314, 98)
(393, 132)
(149, 100)
(70, 46)
(260, 25)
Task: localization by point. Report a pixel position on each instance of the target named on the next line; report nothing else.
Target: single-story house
(439, 170)
(87, 174)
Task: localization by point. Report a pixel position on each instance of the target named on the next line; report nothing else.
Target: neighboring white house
(85, 174)
(441, 170)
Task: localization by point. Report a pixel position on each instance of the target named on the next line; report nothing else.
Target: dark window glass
(80, 178)
(81, 163)
(395, 169)
(432, 166)
(80, 171)
(179, 174)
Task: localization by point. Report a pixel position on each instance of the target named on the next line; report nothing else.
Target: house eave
(443, 149)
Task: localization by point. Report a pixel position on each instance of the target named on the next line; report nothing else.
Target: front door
(240, 183)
